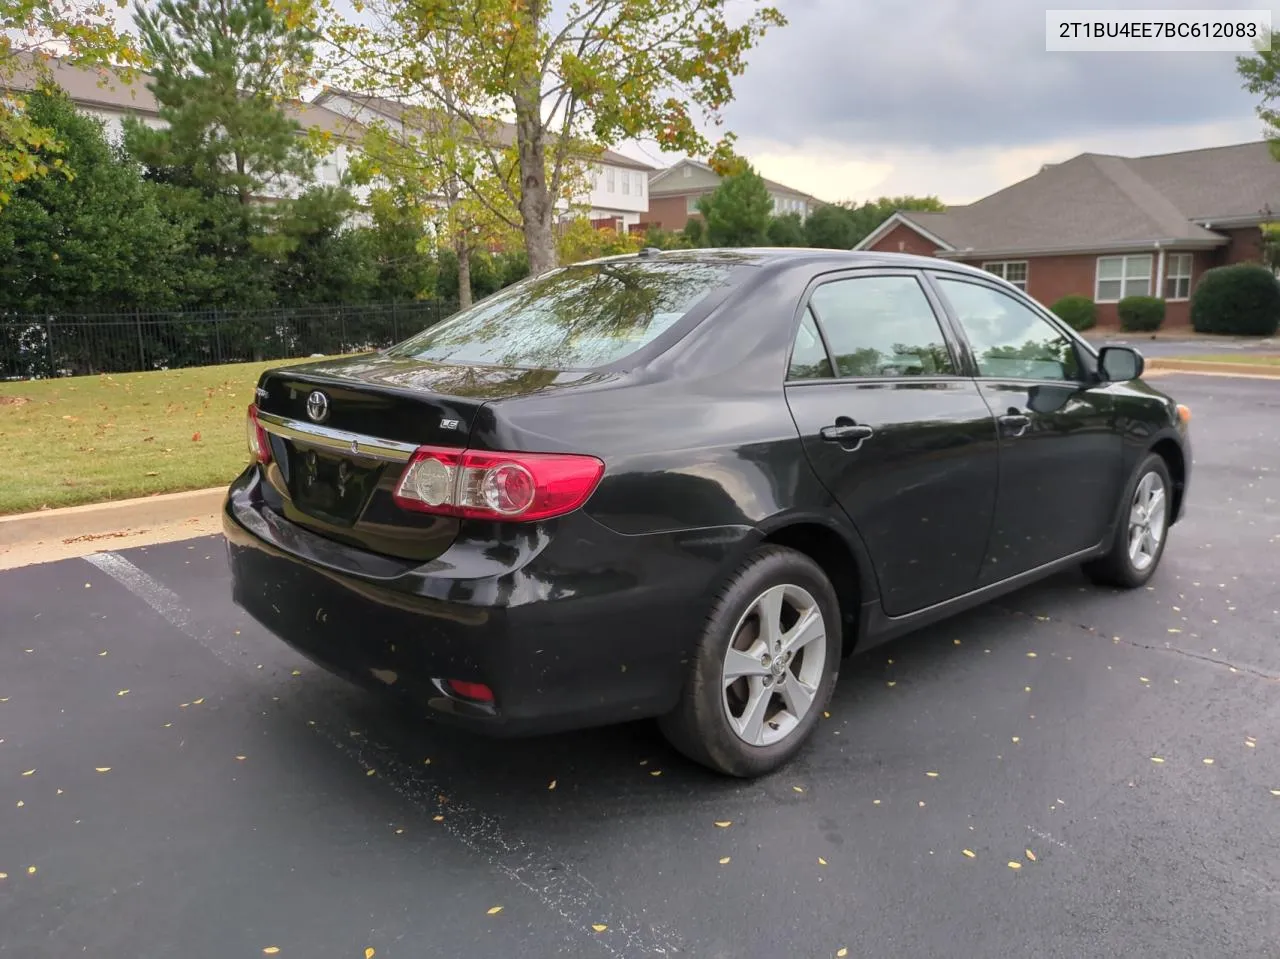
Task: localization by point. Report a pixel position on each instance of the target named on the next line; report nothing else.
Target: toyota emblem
(318, 407)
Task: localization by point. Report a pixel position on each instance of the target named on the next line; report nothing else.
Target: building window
(608, 178)
(1177, 277)
(687, 172)
(1121, 276)
(626, 183)
(691, 203)
(1011, 271)
(639, 184)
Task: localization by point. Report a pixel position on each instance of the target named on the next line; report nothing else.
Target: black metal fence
(38, 345)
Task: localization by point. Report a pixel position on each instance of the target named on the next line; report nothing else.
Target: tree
(94, 241)
(738, 211)
(82, 33)
(786, 230)
(596, 72)
(842, 226)
(1261, 75)
(222, 69)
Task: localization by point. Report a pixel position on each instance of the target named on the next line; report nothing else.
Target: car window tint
(882, 326)
(578, 317)
(1009, 340)
(809, 357)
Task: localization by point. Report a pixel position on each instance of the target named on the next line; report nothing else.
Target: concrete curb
(96, 519)
(1206, 366)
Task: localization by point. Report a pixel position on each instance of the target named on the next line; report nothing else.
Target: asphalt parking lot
(174, 782)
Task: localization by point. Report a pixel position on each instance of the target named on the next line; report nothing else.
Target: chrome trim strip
(339, 441)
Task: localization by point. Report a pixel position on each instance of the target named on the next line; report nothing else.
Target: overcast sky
(860, 98)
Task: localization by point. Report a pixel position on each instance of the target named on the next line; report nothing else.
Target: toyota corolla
(687, 485)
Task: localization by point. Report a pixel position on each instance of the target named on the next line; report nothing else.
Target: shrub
(1140, 314)
(1243, 300)
(1078, 312)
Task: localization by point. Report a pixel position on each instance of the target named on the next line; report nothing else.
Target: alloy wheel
(1147, 521)
(774, 665)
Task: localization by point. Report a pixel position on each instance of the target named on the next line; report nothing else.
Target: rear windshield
(577, 317)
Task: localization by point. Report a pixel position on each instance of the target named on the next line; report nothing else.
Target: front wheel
(763, 669)
(1140, 536)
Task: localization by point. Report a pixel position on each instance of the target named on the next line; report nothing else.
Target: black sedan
(686, 485)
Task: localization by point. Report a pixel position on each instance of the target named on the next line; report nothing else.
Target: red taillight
(519, 487)
(259, 445)
(477, 691)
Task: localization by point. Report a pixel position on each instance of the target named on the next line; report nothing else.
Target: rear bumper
(569, 623)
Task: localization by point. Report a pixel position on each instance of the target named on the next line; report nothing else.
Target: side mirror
(1119, 364)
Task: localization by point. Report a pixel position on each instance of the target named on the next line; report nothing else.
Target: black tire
(699, 727)
(1117, 568)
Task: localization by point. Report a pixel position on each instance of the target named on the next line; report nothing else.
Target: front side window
(1121, 276)
(1012, 271)
(1177, 277)
(809, 356)
(881, 326)
(1009, 339)
(578, 317)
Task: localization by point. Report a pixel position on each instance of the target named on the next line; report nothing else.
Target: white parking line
(561, 889)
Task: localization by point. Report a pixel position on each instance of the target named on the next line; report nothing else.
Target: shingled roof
(1100, 202)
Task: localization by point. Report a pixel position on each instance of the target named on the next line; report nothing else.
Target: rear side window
(881, 326)
(577, 317)
(809, 357)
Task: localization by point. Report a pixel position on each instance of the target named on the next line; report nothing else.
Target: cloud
(960, 98)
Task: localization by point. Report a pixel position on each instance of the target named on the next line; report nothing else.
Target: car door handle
(844, 433)
(1015, 424)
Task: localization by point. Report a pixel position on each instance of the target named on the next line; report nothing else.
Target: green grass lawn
(87, 439)
(1253, 359)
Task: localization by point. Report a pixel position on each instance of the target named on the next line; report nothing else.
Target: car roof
(783, 256)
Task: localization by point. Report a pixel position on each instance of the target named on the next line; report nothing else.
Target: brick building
(1107, 226)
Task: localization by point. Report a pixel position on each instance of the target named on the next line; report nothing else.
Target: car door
(1060, 457)
(902, 440)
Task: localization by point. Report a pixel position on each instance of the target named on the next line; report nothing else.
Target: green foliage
(1243, 300)
(222, 69)
(738, 211)
(661, 239)
(1260, 72)
(1141, 314)
(787, 230)
(694, 232)
(842, 226)
(1077, 311)
(96, 240)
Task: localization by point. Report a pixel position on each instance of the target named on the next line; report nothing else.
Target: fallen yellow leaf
(31, 870)
(1031, 855)
(970, 853)
(1014, 865)
(1017, 739)
(724, 860)
(798, 789)
(821, 861)
(1175, 630)
(921, 804)
(241, 758)
(197, 702)
(102, 769)
(369, 952)
(932, 775)
(123, 692)
(842, 952)
(103, 653)
(553, 784)
(1207, 761)
(1250, 745)
(892, 682)
(1275, 792)
(4, 875)
(1031, 655)
(825, 714)
(29, 772)
(494, 910)
(21, 803)
(370, 772)
(297, 672)
(655, 772)
(599, 926)
(437, 818)
(1156, 759)
(875, 802)
(271, 950)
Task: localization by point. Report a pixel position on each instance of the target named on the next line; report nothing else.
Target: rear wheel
(1140, 536)
(763, 669)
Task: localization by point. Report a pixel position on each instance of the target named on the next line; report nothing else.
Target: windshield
(578, 317)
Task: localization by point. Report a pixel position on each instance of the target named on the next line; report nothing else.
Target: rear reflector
(477, 691)
(259, 445)
(1184, 413)
(517, 487)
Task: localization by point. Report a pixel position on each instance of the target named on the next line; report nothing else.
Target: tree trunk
(537, 206)
(464, 275)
